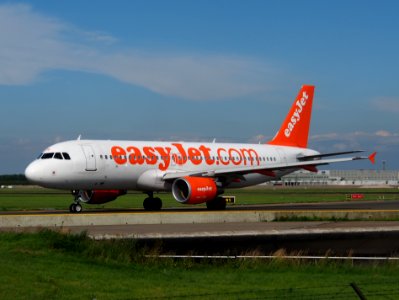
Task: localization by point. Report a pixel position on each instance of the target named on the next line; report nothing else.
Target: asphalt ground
(381, 205)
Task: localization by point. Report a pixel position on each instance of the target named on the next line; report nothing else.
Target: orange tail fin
(295, 129)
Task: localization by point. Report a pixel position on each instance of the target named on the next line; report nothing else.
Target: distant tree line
(16, 179)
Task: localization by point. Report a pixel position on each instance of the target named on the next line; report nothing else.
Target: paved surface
(234, 229)
(392, 205)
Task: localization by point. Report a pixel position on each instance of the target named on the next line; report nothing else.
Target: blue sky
(197, 70)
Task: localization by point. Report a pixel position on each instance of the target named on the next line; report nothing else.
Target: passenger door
(90, 158)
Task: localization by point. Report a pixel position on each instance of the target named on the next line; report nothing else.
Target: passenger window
(58, 156)
(106, 156)
(101, 157)
(66, 156)
(47, 155)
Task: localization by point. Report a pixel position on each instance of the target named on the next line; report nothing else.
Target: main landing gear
(152, 204)
(219, 203)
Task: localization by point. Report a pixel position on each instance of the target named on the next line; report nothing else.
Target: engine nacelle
(194, 190)
(100, 196)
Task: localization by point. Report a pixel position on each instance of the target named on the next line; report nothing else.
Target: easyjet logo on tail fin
(296, 116)
(294, 131)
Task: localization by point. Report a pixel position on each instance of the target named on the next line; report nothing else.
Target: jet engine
(100, 196)
(194, 190)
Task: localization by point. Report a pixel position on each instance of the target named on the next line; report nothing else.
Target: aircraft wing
(303, 163)
(320, 156)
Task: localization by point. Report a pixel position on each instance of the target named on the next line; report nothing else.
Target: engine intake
(194, 190)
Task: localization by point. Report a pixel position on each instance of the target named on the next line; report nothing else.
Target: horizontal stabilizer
(372, 157)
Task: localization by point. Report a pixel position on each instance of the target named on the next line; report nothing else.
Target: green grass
(307, 195)
(50, 265)
(34, 198)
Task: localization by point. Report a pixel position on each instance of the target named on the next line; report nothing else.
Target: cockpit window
(56, 155)
(47, 155)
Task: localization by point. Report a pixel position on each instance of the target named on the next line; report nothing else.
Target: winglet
(372, 157)
(294, 131)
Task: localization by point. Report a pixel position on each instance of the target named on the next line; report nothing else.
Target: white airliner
(99, 171)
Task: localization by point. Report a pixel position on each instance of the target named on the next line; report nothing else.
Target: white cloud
(384, 133)
(356, 135)
(381, 140)
(32, 44)
(387, 104)
(325, 136)
(260, 138)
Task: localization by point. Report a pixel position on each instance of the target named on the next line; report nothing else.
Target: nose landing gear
(75, 207)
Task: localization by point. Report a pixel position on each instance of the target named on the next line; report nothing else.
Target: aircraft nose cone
(32, 173)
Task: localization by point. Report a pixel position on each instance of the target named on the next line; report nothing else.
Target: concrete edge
(63, 220)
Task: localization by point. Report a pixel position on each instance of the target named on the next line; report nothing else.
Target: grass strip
(55, 265)
(35, 198)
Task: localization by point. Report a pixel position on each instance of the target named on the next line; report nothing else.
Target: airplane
(99, 171)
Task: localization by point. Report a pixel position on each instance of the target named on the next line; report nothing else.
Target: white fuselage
(141, 165)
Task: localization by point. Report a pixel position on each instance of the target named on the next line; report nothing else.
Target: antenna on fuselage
(79, 137)
(214, 140)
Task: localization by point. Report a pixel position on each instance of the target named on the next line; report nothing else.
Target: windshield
(56, 155)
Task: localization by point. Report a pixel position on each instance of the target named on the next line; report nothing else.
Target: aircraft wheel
(152, 204)
(78, 208)
(157, 204)
(218, 203)
(75, 208)
(147, 203)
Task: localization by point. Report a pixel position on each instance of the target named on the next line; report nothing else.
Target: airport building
(343, 177)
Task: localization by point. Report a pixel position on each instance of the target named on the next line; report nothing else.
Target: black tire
(72, 208)
(78, 208)
(147, 204)
(157, 202)
(218, 203)
(152, 204)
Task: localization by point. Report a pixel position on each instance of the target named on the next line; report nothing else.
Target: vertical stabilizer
(295, 129)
